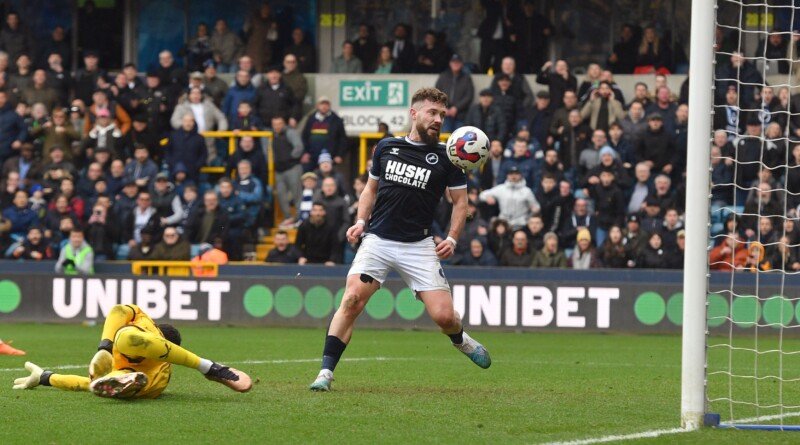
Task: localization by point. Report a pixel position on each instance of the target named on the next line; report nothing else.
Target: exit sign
(373, 93)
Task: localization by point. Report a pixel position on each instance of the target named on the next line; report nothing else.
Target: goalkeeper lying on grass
(136, 363)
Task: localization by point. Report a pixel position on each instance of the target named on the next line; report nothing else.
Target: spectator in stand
(641, 188)
(262, 35)
(722, 176)
(535, 232)
(21, 215)
(226, 47)
(558, 79)
(324, 130)
(274, 98)
(431, 55)
(206, 115)
(142, 168)
(15, 39)
(232, 205)
(102, 232)
(39, 91)
(590, 82)
(304, 51)
(58, 210)
(488, 117)
(246, 119)
(653, 55)
(514, 199)
(584, 256)
(550, 256)
(77, 256)
(143, 134)
(34, 247)
(143, 219)
(624, 149)
(10, 184)
(86, 183)
(665, 107)
(729, 117)
(58, 77)
(784, 256)
(496, 32)
(731, 253)
(739, 73)
(602, 109)
(652, 220)
(624, 54)
(156, 103)
(577, 220)
(318, 240)
(509, 104)
(198, 50)
(28, 169)
(172, 247)
(215, 87)
(403, 51)
(335, 208)
(655, 147)
(634, 125)
(590, 156)
(241, 91)
(653, 255)
(669, 231)
(248, 150)
(490, 174)
(115, 111)
(518, 253)
(552, 165)
(294, 79)
(460, 90)
(385, 64)
(209, 253)
(208, 222)
(366, 47)
(104, 135)
(86, 78)
(164, 198)
(561, 115)
(608, 162)
(250, 191)
(634, 239)
(478, 255)
(765, 202)
(549, 201)
(609, 204)
(522, 160)
(144, 249)
(539, 118)
(325, 170)
(22, 77)
(186, 148)
(283, 252)
(663, 193)
(347, 62)
(13, 130)
(173, 78)
(612, 252)
(748, 159)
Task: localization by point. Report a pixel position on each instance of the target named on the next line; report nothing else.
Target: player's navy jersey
(411, 179)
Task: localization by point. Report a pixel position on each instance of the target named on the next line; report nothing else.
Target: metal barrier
(364, 138)
(175, 268)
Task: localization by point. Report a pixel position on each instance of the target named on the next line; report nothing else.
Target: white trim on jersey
(371, 176)
(458, 187)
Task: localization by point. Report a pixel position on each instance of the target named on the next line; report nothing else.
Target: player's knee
(444, 318)
(352, 304)
(119, 309)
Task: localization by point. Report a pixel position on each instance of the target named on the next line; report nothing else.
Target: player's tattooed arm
(366, 202)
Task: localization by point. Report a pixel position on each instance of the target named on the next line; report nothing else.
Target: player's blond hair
(434, 95)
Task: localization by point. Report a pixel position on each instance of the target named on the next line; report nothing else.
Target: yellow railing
(232, 136)
(175, 268)
(363, 146)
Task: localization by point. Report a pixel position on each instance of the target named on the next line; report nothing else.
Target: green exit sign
(373, 93)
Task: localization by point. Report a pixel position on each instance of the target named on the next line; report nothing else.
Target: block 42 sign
(366, 103)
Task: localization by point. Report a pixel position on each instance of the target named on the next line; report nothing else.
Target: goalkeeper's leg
(133, 342)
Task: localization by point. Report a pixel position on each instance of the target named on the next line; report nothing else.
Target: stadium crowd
(99, 166)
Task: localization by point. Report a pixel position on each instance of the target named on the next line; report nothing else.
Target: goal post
(695, 270)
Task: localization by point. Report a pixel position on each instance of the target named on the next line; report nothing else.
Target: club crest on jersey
(432, 158)
(394, 151)
(402, 173)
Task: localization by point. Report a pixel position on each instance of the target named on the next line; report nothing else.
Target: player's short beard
(427, 138)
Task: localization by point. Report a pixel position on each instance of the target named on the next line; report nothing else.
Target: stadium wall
(497, 299)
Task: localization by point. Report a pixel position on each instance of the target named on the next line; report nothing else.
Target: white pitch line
(245, 362)
(657, 433)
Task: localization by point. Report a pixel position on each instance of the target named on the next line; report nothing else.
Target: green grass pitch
(540, 388)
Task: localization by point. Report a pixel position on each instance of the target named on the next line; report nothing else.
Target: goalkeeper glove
(33, 380)
(101, 364)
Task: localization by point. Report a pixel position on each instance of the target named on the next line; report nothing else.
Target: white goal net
(753, 303)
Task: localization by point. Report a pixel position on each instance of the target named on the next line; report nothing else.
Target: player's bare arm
(458, 218)
(366, 202)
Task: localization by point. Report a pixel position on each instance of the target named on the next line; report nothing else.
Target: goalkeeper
(134, 360)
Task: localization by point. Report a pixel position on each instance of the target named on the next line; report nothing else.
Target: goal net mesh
(753, 345)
